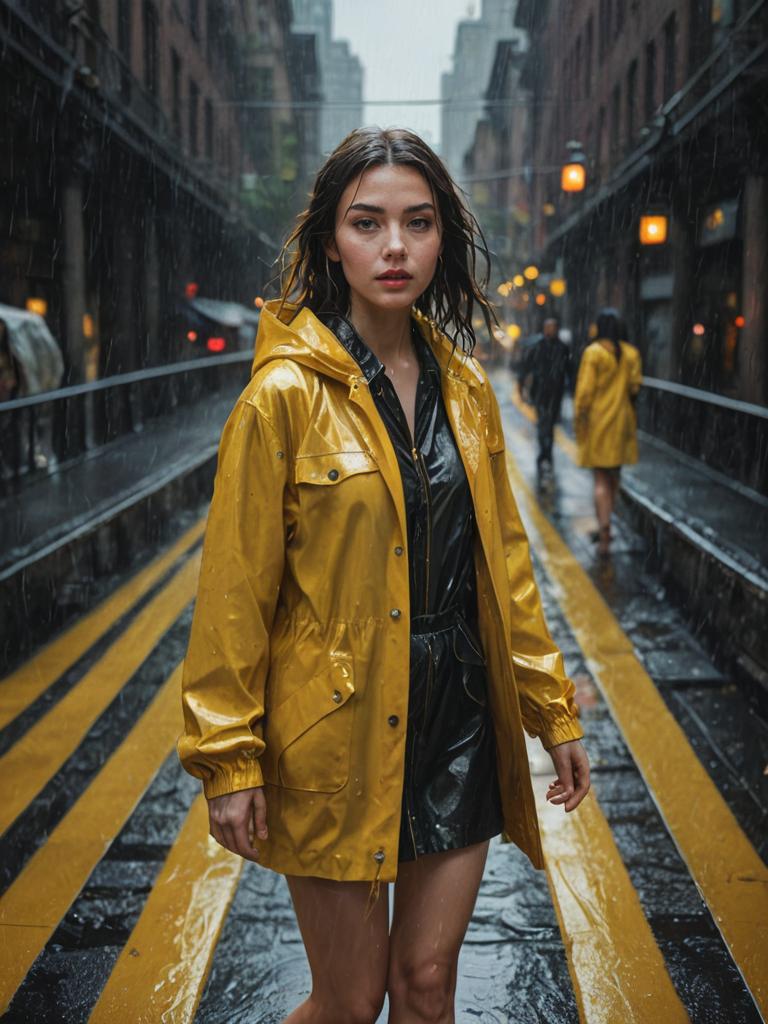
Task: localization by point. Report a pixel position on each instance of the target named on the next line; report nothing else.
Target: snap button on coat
(393, 720)
(333, 474)
(395, 613)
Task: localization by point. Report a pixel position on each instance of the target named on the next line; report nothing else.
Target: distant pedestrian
(544, 370)
(368, 641)
(607, 386)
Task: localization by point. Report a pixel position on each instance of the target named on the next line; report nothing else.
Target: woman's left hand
(572, 767)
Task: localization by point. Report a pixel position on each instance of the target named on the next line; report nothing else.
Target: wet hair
(610, 327)
(312, 280)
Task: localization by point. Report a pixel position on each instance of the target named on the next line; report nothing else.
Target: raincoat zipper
(419, 460)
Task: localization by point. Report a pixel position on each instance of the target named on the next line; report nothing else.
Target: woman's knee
(425, 988)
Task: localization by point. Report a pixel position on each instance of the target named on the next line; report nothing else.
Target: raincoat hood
(287, 332)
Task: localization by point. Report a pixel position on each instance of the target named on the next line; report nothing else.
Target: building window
(208, 120)
(176, 93)
(194, 18)
(615, 118)
(194, 105)
(212, 29)
(670, 55)
(588, 55)
(650, 79)
(151, 80)
(124, 29)
(631, 101)
(600, 137)
(124, 24)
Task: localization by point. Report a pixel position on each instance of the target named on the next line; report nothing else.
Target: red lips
(394, 275)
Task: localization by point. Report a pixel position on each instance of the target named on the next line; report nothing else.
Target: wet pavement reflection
(519, 961)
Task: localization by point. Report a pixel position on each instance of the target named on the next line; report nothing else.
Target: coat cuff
(232, 777)
(562, 730)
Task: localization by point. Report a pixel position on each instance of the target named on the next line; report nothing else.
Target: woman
(609, 380)
(368, 639)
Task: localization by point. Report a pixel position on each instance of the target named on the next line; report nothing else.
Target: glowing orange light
(39, 306)
(258, 302)
(518, 280)
(699, 330)
(531, 273)
(216, 344)
(653, 229)
(191, 289)
(739, 321)
(191, 335)
(557, 287)
(573, 178)
(541, 299)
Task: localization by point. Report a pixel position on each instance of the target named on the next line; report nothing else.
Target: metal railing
(39, 433)
(724, 433)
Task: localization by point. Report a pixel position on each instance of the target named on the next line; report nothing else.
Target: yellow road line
(19, 689)
(617, 969)
(727, 870)
(161, 972)
(41, 751)
(34, 904)
(562, 440)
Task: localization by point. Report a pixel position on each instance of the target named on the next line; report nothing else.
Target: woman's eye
(365, 224)
(421, 223)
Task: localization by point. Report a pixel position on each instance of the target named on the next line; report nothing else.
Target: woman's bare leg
(604, 492)
(347, 953)
(434, 899)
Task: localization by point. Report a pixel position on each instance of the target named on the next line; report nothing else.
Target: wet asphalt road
(515, 965)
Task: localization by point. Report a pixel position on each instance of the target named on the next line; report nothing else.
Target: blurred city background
(153, 157)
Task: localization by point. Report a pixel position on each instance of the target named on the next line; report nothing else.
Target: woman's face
(387, 237)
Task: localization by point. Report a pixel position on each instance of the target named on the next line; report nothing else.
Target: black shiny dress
(450, 787)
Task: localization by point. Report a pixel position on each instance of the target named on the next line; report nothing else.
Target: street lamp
(531, 273)
(557, 287)
(573, 177)
(653, 229)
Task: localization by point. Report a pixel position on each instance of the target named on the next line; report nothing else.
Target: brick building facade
(668, 100)
(145, 146)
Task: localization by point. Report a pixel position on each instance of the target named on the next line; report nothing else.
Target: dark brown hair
(311, 280)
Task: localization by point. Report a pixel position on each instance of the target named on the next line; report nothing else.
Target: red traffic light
(216, 344)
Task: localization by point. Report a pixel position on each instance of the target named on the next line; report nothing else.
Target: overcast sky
(404, 45)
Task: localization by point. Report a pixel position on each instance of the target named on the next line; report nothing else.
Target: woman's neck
(387, 333)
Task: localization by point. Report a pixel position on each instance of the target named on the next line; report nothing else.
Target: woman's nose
(395, 245)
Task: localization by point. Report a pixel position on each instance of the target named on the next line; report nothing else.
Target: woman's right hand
(236, 818)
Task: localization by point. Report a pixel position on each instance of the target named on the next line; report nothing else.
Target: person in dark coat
(545, 368)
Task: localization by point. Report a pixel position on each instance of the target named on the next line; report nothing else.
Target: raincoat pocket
(468, 653)
(332, 468)
(308, 737)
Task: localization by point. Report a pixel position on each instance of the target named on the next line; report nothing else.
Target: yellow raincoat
(296, 675)
(605, 421)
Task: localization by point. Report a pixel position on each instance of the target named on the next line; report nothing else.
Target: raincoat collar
(289, 332)
(367, 360)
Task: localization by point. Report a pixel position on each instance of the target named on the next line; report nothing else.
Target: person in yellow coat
(368, 640)
(608, 382)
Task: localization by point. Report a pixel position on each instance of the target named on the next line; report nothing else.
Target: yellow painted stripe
(19, 689)
(727, 870)
(567, 444)
(161, 972)
(41, 751)
(617, 969)
(34, 904)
